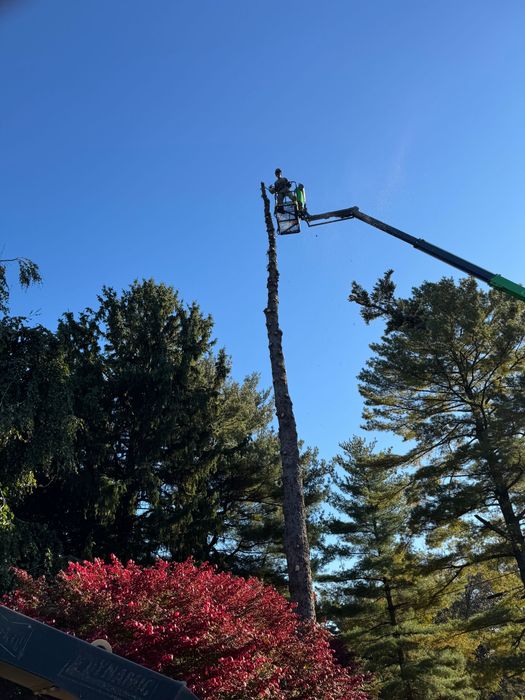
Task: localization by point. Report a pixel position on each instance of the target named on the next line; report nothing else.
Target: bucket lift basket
(287, 216)
(287, 219)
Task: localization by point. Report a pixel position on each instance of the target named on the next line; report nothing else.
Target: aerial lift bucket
(286, 212)
(287, 219)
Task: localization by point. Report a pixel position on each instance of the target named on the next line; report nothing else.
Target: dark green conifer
(383, 603)
(171, 456)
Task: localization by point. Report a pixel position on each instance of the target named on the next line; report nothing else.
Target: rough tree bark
(295, 536)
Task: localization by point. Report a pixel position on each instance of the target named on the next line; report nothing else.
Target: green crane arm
(491, 278)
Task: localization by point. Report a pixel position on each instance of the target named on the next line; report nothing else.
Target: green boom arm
(490, 278)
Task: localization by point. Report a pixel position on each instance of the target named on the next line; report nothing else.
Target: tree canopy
(123, 433)
(447, 378)
(147, 446)
(383, 605)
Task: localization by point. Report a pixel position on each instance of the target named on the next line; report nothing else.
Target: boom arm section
(54, 664)
(490, 278)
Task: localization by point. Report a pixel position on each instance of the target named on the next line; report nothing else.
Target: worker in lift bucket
(300, 198)
(281, 188)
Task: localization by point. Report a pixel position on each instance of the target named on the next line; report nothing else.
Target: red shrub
(230, 639)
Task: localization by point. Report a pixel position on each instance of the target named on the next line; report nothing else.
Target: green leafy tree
(382, 601)
(172, 457)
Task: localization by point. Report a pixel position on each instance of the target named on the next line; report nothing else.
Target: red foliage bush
(228, 638)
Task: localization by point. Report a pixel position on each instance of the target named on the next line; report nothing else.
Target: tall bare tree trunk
(295, 537)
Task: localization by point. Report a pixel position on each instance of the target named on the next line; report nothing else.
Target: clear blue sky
(134, 135)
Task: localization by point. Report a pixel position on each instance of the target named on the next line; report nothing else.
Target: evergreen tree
(383, 602)
(450, 382)
(247, 532)
(448, 376)
(171, 456)
(37, 428)
(145, 387)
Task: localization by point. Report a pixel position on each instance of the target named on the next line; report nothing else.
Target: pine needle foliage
(448, 378)
(452, 385)
(382, 602)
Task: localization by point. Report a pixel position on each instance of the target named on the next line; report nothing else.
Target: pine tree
(247, 533)
(448, 375)
(295, 533)
(478, 621)
(382, 599)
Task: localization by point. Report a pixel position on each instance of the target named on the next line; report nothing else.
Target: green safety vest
(301, 195)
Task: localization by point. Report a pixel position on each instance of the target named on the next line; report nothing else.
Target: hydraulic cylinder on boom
(292, 225)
